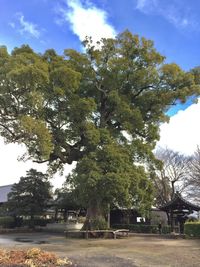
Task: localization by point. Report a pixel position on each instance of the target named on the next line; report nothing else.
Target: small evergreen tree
(30, 196)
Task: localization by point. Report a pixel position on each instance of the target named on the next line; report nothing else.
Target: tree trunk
(172, 220)
(95, 219)
(32, 224)
(173, 189)
(108, 216)
(65, 215)
(56, 215)
(168, 218)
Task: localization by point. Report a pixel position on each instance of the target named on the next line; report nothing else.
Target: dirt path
(135, 251)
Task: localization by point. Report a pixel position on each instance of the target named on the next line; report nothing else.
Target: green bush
(99, 224)
(18, 221)
(81, 219)
(7, 222)
(35, 222)
(192, 229)
(192, 219)
(143, 228)
(166, 229)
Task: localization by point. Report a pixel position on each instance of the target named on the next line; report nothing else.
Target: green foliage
(143, 228)
(108, 176)
(67, 199)
(192, 229)
(30, 196)
(192, 219)
(166, 229)
(36, 222)
(7, 222)
(36, 130)
(99, 223)
(81, 219)
(3, 210)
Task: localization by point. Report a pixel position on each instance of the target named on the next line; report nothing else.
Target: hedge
(192, 229)
(143, 228)
(7, 222)
(166, 229)
(36, 222)
(12, 222)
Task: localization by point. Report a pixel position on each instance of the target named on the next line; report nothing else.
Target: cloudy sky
(173, 25)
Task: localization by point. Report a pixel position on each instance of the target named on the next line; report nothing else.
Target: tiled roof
(4, 190)
(179, 203)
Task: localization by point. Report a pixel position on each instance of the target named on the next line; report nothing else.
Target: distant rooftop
(4, 191)
(179, 203)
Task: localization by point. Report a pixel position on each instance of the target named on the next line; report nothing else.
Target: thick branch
(7, 129)
(142, 89)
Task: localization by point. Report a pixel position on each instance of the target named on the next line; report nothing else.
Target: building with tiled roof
(4, 191)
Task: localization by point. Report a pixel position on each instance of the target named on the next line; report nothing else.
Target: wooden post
(108, 215)
(172, 221)
(86, 234)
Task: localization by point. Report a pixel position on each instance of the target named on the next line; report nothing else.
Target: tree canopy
(101, 107)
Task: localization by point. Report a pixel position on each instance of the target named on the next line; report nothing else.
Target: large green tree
(101, 108)
(30, 196)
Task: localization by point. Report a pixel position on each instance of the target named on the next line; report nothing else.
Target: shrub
(36, 222)
(166, 229)
(7, 222)
(192, 219)
(192, 229)
(99, 224)
(18, 221)
(81, 219)
(143, 228)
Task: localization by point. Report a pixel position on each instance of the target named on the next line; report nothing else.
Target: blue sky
(173, 25)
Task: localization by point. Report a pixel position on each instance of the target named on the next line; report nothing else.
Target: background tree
(30, 196)
(66, 200)
(194, 177)
(172, 175)
(101, 108)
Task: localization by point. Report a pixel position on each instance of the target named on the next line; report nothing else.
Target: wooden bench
(120, 233)
(98, 233)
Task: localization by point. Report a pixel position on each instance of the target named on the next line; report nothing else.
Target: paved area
(135, 251)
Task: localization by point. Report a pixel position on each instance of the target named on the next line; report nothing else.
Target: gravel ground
(134, 251)
(102, 260)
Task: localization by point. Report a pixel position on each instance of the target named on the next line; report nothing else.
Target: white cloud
(86, 20)
(27, 27)
(175, 12)
(144, 5)
(12, 25)
(182, 133)
(140, 4)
